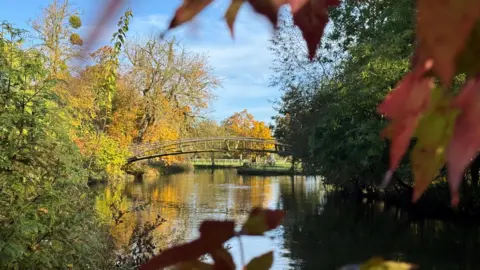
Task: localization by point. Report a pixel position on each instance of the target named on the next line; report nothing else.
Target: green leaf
(433, 134)
(262, 262)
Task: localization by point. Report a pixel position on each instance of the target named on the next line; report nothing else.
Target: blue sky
(242, 63)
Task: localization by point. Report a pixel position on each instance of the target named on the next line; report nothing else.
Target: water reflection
(320, 231)
(338, 231)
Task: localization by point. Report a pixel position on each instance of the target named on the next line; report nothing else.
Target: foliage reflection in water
(320, 231)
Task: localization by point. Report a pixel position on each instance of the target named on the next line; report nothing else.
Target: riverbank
(280, 167)
(434, 203)
(267, 171)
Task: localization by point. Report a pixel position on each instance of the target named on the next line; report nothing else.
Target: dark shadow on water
(339, 231)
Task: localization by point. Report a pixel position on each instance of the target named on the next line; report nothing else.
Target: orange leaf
(466, 136)
(261, 220)
(312, 17)
(403, 106)
(442, 29)
(232, 12)
(187, 11)
(212, 235)
(264, 261)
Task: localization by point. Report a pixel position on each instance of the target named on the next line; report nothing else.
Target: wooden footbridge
(203, 145)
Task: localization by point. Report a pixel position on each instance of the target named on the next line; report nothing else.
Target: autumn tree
(205, 127)
(175, 86)
(105, 124)
(243, 124)
(55, 28)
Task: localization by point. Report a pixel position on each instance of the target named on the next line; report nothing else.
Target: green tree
(336, 115)
(46, 215)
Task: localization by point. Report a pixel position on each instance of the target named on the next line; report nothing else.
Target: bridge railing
(207, 139)
(206, 144)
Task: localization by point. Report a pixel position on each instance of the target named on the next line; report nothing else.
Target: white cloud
(243, 63)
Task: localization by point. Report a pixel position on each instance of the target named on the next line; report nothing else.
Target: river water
(320, 231)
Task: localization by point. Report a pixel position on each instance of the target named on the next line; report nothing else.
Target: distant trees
(243, 124)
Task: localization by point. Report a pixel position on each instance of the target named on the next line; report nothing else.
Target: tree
(333, 121)
(46, 218)
(175, 84)
(55, 28)
(243, 124)
(96, 132)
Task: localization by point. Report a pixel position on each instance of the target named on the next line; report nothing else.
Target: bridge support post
(213, 159)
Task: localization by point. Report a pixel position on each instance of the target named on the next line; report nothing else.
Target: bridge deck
(207, 144)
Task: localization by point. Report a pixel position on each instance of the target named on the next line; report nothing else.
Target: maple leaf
(232, 12)
(297, 5)
(464, 145)
(212, 235)
(223, 259)
(311, 17)
(403, 106)
(187, 11)
(264, 261)
(433, 134)
(268, 8)
(262, 220)
(467, 60)
(442, 29)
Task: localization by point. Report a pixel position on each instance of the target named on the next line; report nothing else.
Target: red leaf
(212, 235)
(187, 11)
(108, 11)
(403, 106)
(312, 17)
(262, 220)
(217, 230)
(197, 265)
(296, 5)
(268, 8)
(442, 29)
(466, 136)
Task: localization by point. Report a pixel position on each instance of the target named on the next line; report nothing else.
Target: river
(320, 231)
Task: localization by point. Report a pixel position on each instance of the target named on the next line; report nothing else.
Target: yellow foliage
(243, 124)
